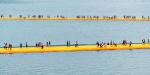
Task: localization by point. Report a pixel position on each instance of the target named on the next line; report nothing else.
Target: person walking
(49, 43)
(26, 44)
(97, 43)
(76, 44)
(42, 46)
(67, 43)
(10, 46)
(5, 46)
(143, 41)
(130, 44)
(20, 45)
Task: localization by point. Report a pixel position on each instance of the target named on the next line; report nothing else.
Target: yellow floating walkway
(115, 19)
(73, 48)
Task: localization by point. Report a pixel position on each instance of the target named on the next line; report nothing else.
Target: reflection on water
(77, 63)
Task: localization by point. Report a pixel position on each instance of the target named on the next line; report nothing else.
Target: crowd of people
(9, 46)
(79, 16)
(124, 42)
(33, 16)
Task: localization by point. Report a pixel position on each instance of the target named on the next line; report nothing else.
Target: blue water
(77, 63)
(125, 62)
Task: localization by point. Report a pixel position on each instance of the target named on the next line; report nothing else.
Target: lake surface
(118, 62)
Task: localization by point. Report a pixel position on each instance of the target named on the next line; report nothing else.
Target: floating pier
(60, 17)
(96, 19)
(73, 48)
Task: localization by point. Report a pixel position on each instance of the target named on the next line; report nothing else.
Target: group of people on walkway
(7, 46)
(78, 16)
(76, 44)
(33, 16)
(38, 44)
(112, 17)
(69, 44)
(124, 42)
(103, 44)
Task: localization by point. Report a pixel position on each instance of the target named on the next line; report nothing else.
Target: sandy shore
(73, 48)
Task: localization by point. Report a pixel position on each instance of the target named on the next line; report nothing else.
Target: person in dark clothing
(101, 45)
(5, 46)
(124, 42)
(107, 43)
(42, 46)
(20, 45)
(49, 43)
(111, 42)
(36, 44)
(10, 46)
(76, 44)
(143, 41)
(130, 43)
(67, 43)
(97, 43)
(26, 44)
